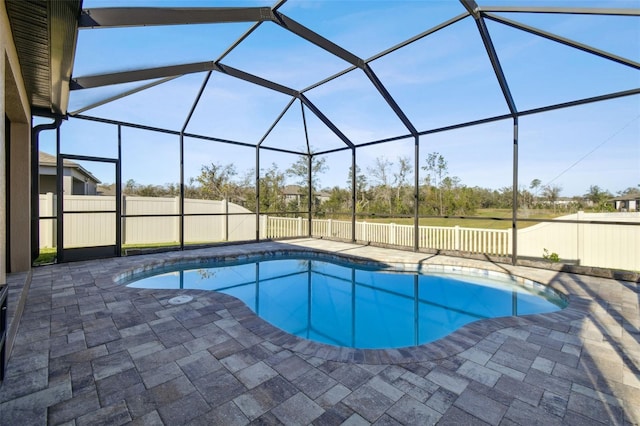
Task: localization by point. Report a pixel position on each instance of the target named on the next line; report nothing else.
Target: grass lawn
(48, 255)
(488, 223)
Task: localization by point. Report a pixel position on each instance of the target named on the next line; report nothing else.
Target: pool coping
(456, 342)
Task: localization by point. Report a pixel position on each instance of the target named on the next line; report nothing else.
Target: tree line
(386, 188)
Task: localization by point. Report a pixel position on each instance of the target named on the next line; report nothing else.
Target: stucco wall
(14, 105)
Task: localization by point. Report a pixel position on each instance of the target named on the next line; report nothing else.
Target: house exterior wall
(74, 182)
(14, 104)
(627, 205)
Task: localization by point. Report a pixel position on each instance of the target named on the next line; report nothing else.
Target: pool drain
(179, 300)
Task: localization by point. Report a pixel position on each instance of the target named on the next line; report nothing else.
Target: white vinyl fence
(471, 240)
(94, 229)
(607, 246)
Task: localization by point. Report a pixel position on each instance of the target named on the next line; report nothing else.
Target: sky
(443, 79)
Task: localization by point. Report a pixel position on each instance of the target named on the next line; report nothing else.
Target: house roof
(46, 159)
(627, 197)
(298, 190)
(292, 190)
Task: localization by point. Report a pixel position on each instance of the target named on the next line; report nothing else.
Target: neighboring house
(292, 193)
(626, 203)
(296, 192)
(76, 179)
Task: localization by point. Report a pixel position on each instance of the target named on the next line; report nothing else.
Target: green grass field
(488, 223)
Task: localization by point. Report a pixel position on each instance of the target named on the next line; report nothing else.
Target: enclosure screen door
(88, 215)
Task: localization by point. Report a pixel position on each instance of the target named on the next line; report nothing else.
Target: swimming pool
(355, 305)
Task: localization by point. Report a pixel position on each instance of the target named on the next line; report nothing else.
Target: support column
(514, 220)
(354, 186)
(20, 200)
(416, 196)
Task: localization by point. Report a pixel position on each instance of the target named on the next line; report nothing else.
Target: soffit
(44, 34)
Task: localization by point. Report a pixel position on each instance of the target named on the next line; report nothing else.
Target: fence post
(329, 228)
(456, 238)
(299, 226)
(365, 234)
(123, 220)
(510, 240)
(49, 206)
(264, 221)
(176, 223)
(392, 233)
(225, 219)
(580, 238)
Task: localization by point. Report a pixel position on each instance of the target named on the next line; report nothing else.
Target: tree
(361, 187)
(534, 185)
(504, 198)
(339, 200)
(436, 169)
(551, 193)
(215, 182)
(400, 182)
(300, 170)
(380, 174)
(131, 187)
(271, 186)
(597, 196)
(525, 198)
(632, 190)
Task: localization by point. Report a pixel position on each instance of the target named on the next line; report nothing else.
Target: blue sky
(443, 79)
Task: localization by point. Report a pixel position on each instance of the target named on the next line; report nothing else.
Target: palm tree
(551, 193)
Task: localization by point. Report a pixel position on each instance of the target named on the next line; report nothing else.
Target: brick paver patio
(90, 351)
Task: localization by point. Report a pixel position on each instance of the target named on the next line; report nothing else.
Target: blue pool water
(358, 306)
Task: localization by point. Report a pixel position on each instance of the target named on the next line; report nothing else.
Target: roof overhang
(45, 35)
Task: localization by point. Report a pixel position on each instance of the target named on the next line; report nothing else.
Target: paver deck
(90, 351)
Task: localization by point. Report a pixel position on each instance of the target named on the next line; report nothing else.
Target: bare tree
(361, 187)
(437, 170)
(400, 179)
(380, 174)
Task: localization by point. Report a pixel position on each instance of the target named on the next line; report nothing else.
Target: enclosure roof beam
(316, 39)
(325, 120)
(389, 99)
(347, 56)
(277, 120)
(562, 10)
(91, 81)
(115, 17)
(472, 7)
(474, 10)
(420, 36)
(234, 72)
(390, 50)
(583, 101)
(120, 95)
(173, 71)
(563, 40)
(246, 34)
(194, 105)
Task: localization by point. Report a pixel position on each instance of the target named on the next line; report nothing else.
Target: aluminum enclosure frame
(116, 17)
